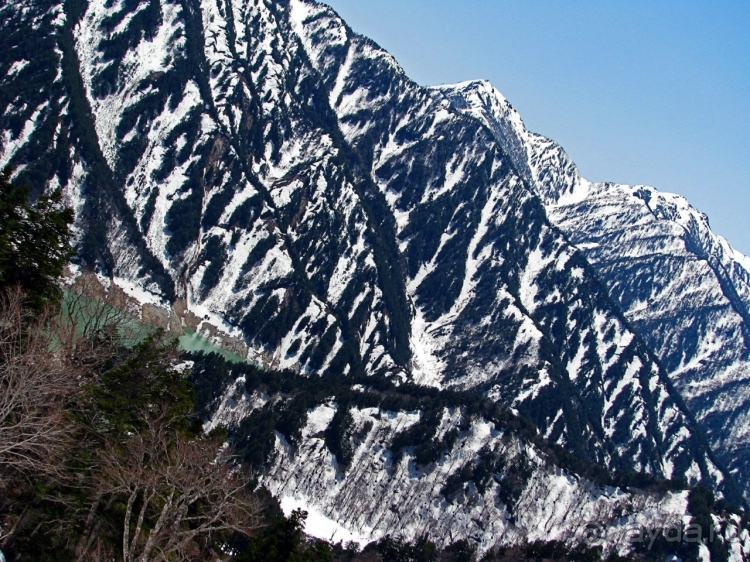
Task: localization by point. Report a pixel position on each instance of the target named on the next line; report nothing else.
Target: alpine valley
(449, 332)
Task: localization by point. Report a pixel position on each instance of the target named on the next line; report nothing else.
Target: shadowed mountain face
(681, 287)
(284, 178)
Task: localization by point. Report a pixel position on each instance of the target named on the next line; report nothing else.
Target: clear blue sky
(649, 92)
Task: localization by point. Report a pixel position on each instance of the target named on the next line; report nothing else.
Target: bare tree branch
(182, 495)
(188, 492)
(36, 379)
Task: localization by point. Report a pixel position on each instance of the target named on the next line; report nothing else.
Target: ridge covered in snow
(281, 181)
(684, 289)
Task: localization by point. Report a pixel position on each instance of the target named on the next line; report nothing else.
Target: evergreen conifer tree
(34, 242)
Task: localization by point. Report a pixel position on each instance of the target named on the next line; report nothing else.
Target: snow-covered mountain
(410, 461)
(684, 289)
(280, 180)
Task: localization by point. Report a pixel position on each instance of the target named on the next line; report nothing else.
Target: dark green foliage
(454, 484)
(556, 551)
(211, 376)
(269, 318)
(190, 128)
(490, 466)
(398, 550)
(255, 437)
(682, 541)
(291, 416)
(139, 380)
(216, 206)
(129, 154)
(34, 242)
(701, 503)
(30, 90)
(421, 436)
(426, 225)
(656, 547)
(148, 211)
(100, 182)
(459, 551)
(283, 540)
(512, 482)
(339, 435)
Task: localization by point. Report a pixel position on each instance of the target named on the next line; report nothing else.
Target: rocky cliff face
(284, 179)
(377, 496)
(376, 459)
(681, 287)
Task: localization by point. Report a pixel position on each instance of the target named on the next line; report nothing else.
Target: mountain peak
(289, 192)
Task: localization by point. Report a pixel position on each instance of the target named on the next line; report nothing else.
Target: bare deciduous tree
(99, 314)
(179, 494)
(35, 382)
(132, 480)
(38, 377)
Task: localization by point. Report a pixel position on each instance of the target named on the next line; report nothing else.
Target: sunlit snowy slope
(280, 180)
(684, 289)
